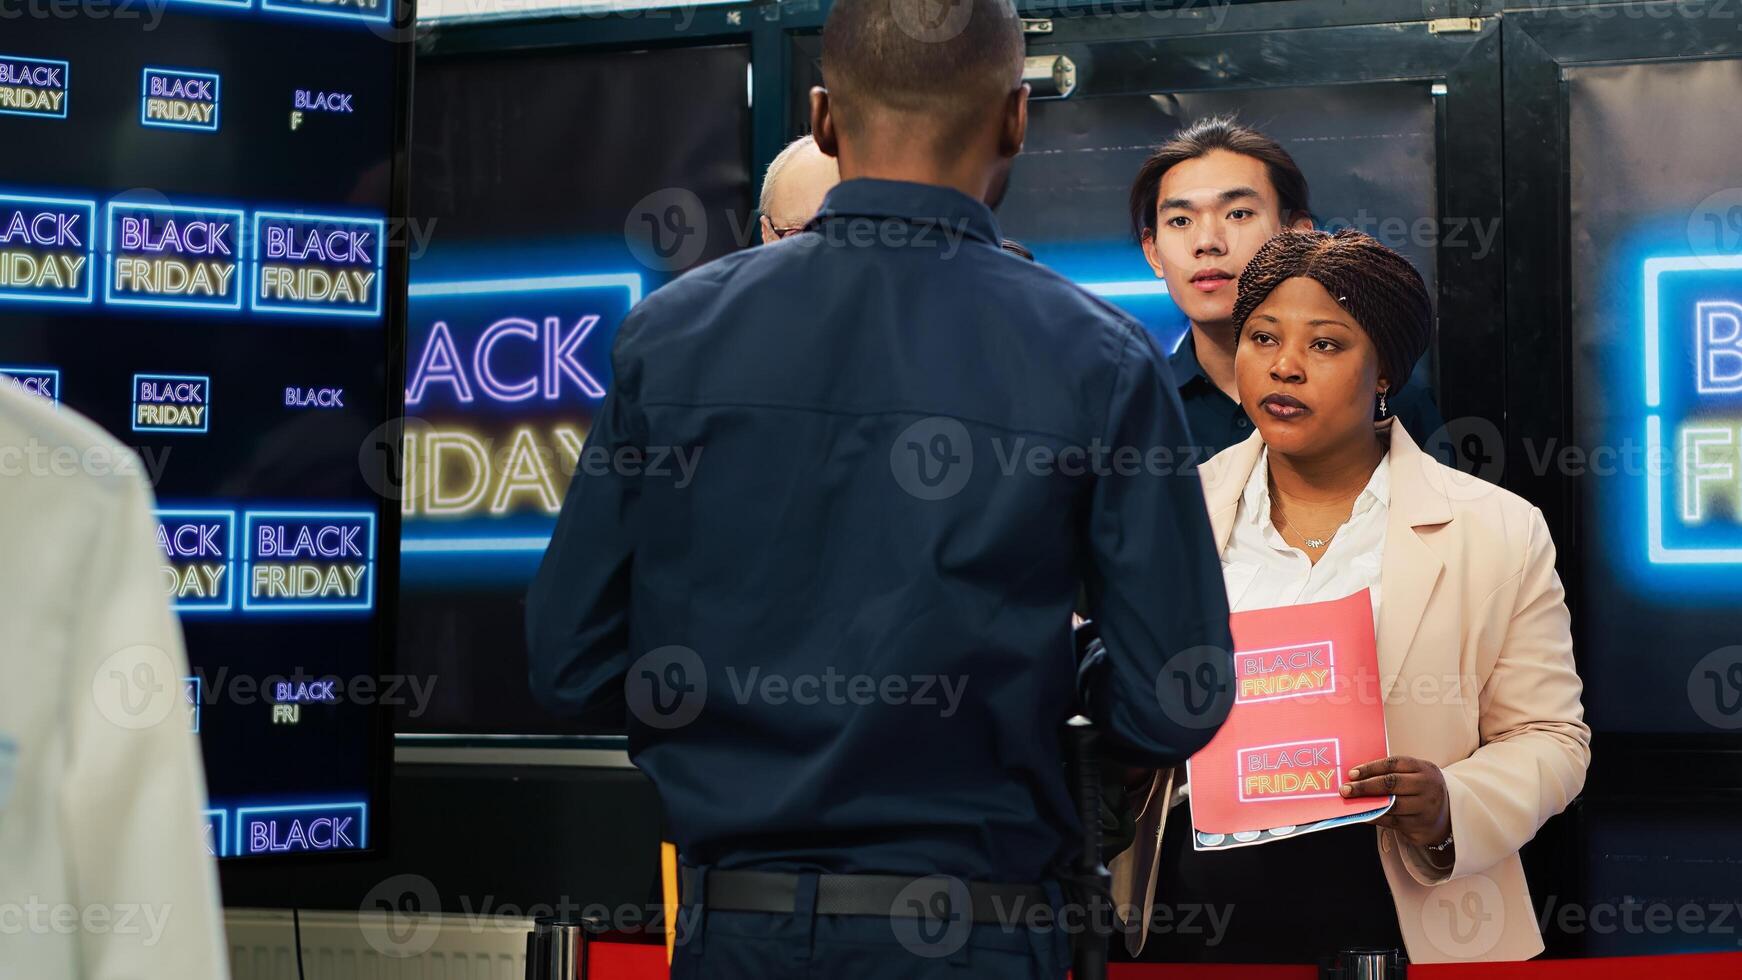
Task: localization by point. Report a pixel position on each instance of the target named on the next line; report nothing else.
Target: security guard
(842, 634)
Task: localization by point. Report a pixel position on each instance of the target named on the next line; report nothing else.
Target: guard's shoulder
(1075, 314)
(1089, 305)
(681, 299)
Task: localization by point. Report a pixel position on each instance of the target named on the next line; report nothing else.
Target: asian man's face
(1212, 214)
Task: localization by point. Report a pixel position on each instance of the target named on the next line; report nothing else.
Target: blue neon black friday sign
(503, 372)
(1693, 409)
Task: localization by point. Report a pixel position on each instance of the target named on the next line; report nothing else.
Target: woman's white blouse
(1262, 570)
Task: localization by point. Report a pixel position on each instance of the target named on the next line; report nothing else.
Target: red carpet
(621, 961)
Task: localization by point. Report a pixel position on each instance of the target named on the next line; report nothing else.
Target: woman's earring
(1383, 411)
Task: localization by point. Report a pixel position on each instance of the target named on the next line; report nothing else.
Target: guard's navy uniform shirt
(1217, 421)
(845, 638)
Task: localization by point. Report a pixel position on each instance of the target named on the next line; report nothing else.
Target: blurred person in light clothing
(103, 874)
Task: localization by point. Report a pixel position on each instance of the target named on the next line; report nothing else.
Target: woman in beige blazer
(1475, 655)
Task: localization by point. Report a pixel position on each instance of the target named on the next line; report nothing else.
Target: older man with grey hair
(794, 186)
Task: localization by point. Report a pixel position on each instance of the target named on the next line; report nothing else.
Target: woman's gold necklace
(1314, 543)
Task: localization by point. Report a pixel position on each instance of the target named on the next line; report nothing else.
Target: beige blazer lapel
(1411, 569)
(1224, 478)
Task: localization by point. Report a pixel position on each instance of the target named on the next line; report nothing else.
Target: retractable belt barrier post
(556, 949)
(1093, 880)
(1367, 964)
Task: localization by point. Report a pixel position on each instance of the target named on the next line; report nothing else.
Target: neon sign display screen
(195, 253)
(1657, 383)
(512, 312)
(505, 378)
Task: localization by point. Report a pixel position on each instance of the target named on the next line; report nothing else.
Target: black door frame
(1543, 39)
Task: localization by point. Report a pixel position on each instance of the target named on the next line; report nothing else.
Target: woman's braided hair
(1377, 286)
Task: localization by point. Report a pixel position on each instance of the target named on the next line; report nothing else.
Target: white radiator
(376, 946)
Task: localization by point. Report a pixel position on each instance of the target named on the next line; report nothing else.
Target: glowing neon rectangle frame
(629, 281)
(1127, 287)
(378, 224)
(1656, 551)
(300, 10)
(180, 304)
(90, 207)
(66, 88)
(205, 423)
(243, 813)
(249, 517)
(229, 602)
(221, 833)
(195, 681)
(15, 371)
(227, 4)
(145, 99)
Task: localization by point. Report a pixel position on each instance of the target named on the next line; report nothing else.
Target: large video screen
(558, 188)
(195, 216)
(1656, 232)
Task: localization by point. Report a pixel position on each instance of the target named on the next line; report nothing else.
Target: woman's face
(1307, 373)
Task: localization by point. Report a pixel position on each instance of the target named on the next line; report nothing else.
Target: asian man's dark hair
(1202, 138)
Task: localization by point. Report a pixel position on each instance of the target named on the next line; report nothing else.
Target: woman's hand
(1422, 813)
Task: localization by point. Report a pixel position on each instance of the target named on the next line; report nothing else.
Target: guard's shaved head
(901, 57)
(918, 91)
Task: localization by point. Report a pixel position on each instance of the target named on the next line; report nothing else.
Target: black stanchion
(557, 949)
(1094, 881)
(537, 949)
(1364, 963)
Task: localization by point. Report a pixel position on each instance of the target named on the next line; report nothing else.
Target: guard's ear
(823, 122)
(1014, 130)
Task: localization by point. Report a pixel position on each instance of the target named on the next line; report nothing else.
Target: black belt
(885, 896)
